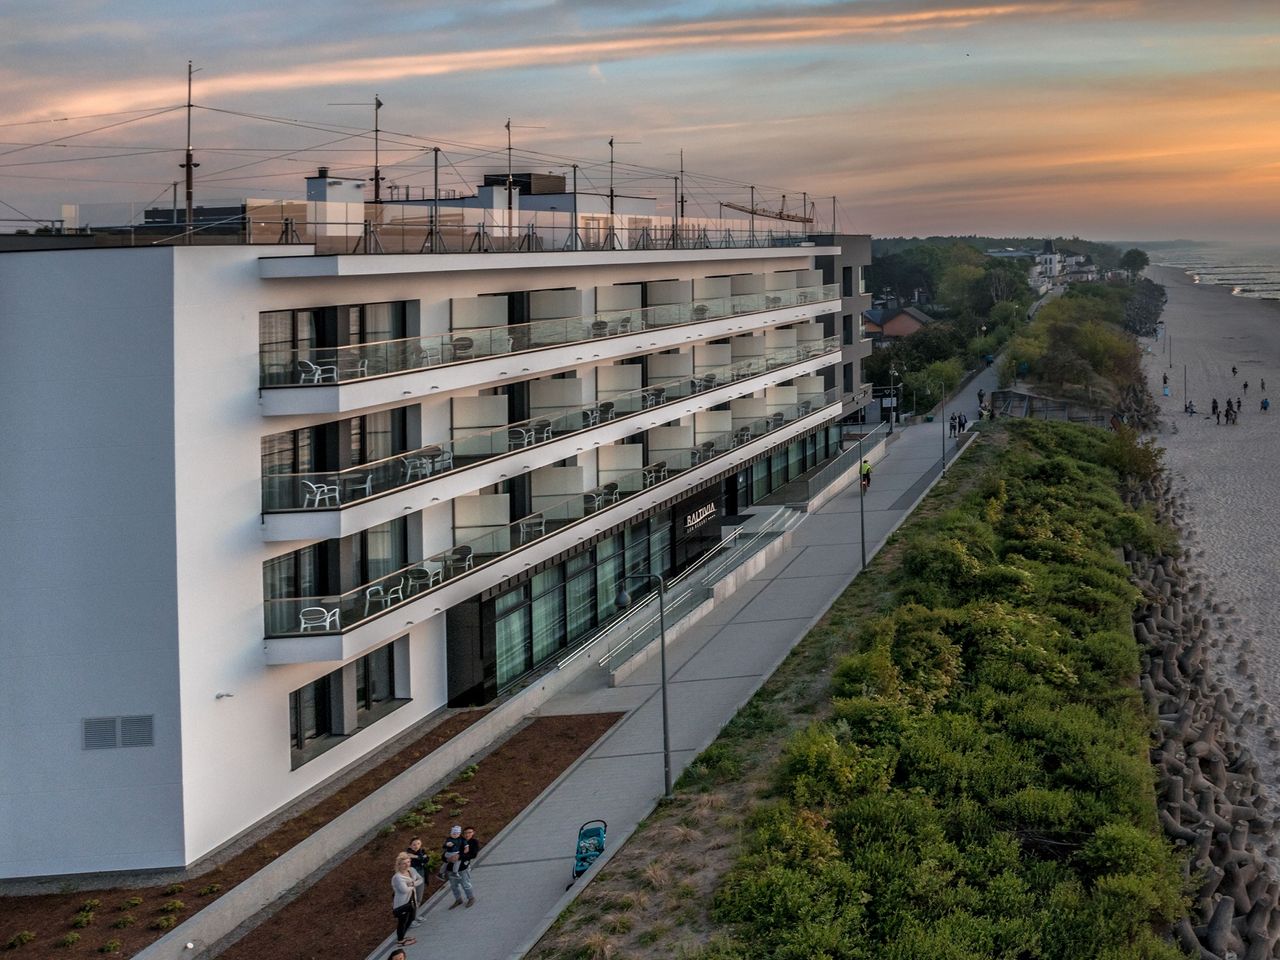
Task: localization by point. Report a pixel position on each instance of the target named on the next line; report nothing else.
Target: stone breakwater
(1210, 797)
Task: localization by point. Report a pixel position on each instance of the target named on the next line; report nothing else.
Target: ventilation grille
(137, 731)
(107, 733)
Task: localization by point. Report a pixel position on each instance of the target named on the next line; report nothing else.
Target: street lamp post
(893, 396)
(862, 506)
(623, 600)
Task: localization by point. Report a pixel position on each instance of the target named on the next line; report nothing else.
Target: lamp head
(622, 599)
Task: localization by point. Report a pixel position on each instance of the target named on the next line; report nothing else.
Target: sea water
(1250, 271)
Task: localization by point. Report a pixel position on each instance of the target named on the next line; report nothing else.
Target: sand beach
(1229, 477)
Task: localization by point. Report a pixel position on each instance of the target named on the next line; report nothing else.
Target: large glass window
(378, 435)
(512, 641)
(548, 609)
(311, 715)
(608, 576)
(759, 481)
(375, 684)
(381, 550)
(580, 596)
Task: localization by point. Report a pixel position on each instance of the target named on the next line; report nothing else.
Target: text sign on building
(700, 516)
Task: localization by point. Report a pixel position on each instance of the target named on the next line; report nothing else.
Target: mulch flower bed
(347, 912)
(128, 919)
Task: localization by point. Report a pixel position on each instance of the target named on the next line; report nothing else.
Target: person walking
(1233, 369)
(1164, 379)
(455, 872)
(470, 850)
(1264, 386)
(981, 395)
(964, 421)
(1266, 404)
(1246, 386)
(866, 475)
(404, 902)
(420, 860)
(951, 426)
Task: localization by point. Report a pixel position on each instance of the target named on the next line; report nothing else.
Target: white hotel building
(267, 506)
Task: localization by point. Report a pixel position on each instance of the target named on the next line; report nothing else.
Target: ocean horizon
(1250, 270)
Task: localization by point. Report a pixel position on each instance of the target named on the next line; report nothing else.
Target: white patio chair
(316, 372)
(319, 495)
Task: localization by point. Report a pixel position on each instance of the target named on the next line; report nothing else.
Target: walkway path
(714, 667)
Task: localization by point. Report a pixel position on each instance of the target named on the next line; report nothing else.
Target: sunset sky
(1116, 119)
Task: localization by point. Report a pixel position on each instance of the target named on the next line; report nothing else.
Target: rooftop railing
(315, 366)
(332, 490)
(337, 613)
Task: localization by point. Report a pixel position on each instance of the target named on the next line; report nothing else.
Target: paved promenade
(714, 667)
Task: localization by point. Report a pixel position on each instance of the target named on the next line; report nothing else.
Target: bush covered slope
(982, 789)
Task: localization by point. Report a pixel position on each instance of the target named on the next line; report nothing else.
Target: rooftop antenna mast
(612, 238)
(510, 181)
(190, 165)
(377, 177)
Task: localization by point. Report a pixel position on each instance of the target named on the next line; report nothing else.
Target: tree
(1134, 261)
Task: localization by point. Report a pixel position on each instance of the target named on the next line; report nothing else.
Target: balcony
(491, 455)
(311, 629)
(340, 379)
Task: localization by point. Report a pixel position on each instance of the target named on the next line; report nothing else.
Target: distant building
(886, 324)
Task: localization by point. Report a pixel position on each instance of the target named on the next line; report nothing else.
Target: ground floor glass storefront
(497, 638)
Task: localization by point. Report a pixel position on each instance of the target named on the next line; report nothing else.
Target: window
(512, 635)
(375, 685)
(311, 717)
(379, 435)
(848, 329)
(608, 576)
(342, 703)
(862, 279)
(846, 285)
(548, 613)
(580, 596)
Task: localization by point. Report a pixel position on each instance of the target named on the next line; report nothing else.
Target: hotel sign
(700, 516)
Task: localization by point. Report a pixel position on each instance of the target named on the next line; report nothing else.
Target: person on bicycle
(866, 474)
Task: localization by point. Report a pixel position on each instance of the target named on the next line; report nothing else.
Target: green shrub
(209, 890)
(81, 920)
(173, 889)
(172, 906)
(90, 905)
(468, 773)
(123, 921)
(111, 946)
(131, 903)
(164, 923)
(19, 939)
(68, 940)
(816, 767)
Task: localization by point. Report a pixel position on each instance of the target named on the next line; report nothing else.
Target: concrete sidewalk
(714, 668)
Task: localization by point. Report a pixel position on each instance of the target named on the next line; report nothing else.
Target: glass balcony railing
(333, 490)
(328, 365)
(336, 613)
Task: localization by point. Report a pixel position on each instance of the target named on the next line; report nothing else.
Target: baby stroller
(591, 837)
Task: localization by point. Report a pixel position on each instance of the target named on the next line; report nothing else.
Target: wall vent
(137, 731)
(100, 733)
(107, 733)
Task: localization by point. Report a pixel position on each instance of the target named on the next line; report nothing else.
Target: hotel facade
(268, 506)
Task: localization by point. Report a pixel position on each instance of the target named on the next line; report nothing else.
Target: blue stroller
(591, 836)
